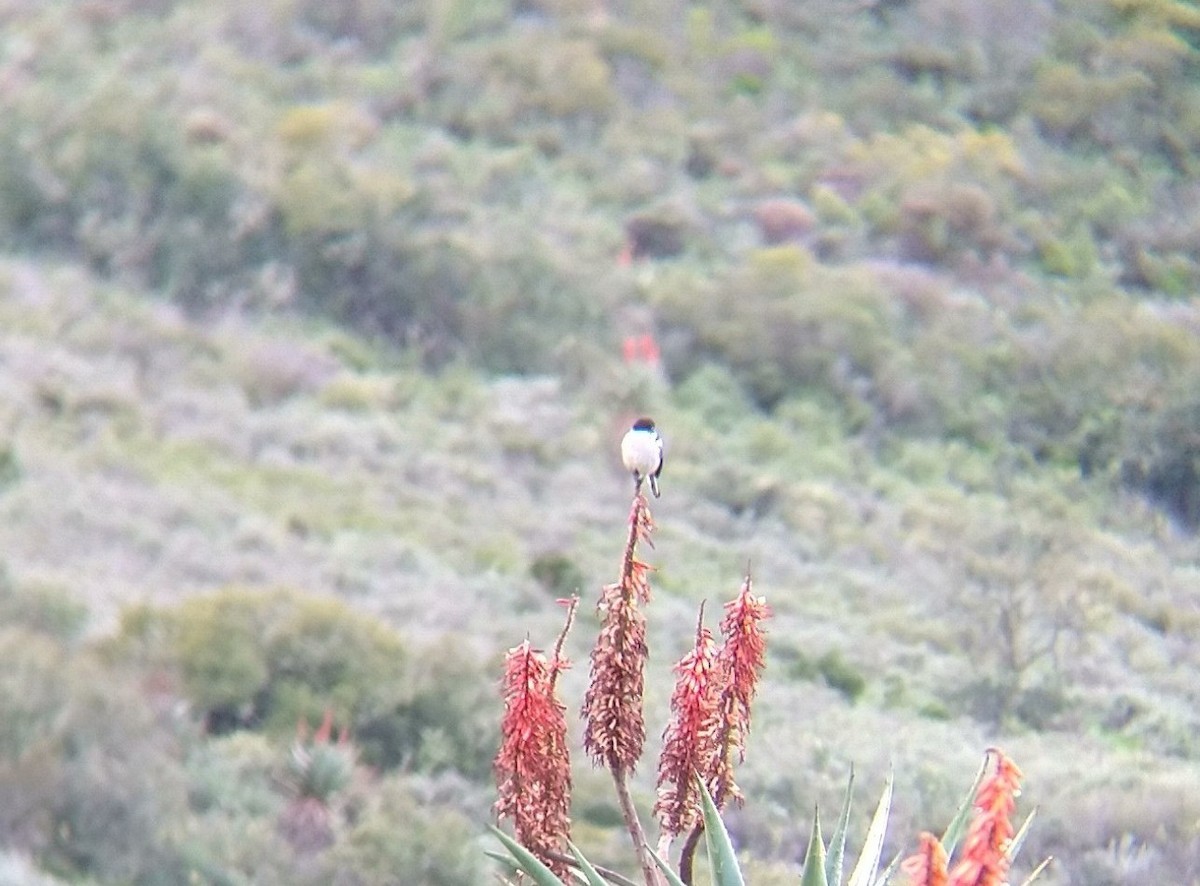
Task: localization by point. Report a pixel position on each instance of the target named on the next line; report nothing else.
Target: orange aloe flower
(985, 859)
(927, 867)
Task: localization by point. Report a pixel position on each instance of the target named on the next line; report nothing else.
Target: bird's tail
(654, 485)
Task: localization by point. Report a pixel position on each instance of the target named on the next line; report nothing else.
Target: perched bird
(642, 453)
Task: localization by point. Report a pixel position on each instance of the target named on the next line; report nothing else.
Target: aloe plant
(715, 685)
(824, 861)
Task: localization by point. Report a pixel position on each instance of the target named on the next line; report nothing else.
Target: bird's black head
(644, 424)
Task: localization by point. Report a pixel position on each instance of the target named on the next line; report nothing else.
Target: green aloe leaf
(834, 861)
(1038, 870)
(505, 859)
(672, 877)
(1019, 838)
(868, 860)
(883, 878)
(814, 859)
(721, 859)
(958, 824)
(589, 872)
(527, 861)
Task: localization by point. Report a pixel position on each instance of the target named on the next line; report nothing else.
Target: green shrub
(10, 466)
(273, 658)
(445, 723)
(1162, 459)
(557, 573)
(89, 783)
(838, 674)
(402, 837)
(787, 325)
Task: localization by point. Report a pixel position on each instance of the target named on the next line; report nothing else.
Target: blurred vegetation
(331, 297)
(246, 659)
(459, 178)
(107, 772)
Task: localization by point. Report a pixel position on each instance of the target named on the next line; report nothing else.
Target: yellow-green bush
(255, 659)
(271, 658)
(785, 324)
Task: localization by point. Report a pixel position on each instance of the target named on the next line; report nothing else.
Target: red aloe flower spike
(614, 725)
(739, 663)
(615, 730)
(742, 658)
(325, 730)
(985, 859)
(689, 741)
(532, 767)
(927, 866)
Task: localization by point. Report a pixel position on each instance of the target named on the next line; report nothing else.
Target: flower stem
(634, 825)
(687, 855)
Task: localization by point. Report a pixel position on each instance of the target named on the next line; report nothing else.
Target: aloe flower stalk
(614, 724)
(927, 866)
(985, 857)
(533, 767)
(739, 664)
(742, 658)
(615, 729)
(690, 739)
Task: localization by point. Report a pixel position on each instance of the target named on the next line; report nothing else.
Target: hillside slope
(332, 299)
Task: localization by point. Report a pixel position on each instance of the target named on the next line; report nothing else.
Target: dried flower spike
(739, 663)
(614, 726)
(689, 742)
(532, 768)
(614, 729)
(741, 659)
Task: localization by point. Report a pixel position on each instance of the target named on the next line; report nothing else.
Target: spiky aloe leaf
(721, 859)
(868, 860)
(1038, 870)
(886, 875)
(814, 859)
(672, 877)
(589, 872)
(1015, 846)
(503, 858)
(958, 824)
(837, 843)
(529, 863)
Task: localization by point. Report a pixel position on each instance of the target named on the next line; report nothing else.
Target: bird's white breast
(641, 451)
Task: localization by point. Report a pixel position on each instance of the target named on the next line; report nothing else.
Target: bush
(1163, 461)
(557, 573)
(786, 325)
(270, 659)
(403, 837)
(445, 723)
(89, 783)
(248, 658)
(841, 676)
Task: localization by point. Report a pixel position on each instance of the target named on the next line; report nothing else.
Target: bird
(642, 453)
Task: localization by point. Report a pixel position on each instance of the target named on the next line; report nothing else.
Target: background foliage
(310, 327)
